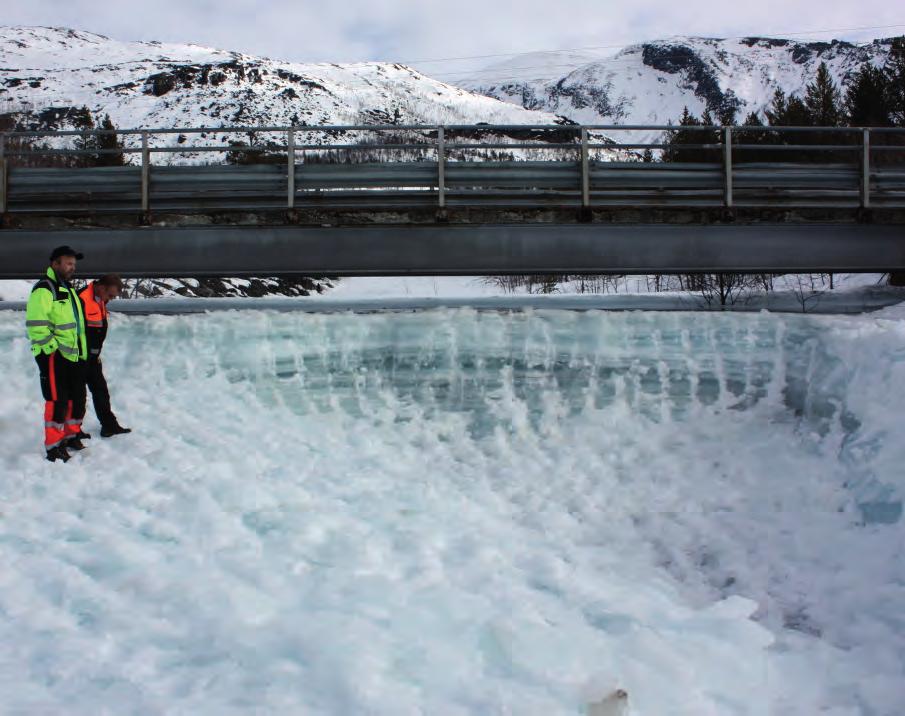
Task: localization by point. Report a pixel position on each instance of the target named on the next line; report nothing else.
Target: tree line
(874, 97)
(90, 150)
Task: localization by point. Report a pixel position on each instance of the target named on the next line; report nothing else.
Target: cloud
(408, 30)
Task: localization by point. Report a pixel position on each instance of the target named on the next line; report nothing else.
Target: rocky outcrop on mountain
(651, 83)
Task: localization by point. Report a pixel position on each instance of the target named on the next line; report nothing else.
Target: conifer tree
(707, 137)
(109, 142)
(753, 120)
(797, 114)
(895, 81)
(677, 138)
(784, 112)
(726, 116)
(84, 142)
(822, 100)
(788, 111)
(751, 137)
(867, 99)
(778, 107)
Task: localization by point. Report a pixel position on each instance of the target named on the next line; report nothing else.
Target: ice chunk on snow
(614, 704)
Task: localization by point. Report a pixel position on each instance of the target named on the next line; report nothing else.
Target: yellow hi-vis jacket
(55, 320)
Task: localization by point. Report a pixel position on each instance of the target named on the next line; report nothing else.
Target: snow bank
(12, 290)
(459, 512)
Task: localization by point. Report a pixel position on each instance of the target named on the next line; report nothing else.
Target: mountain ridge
(156, 84)
(651, 82)
(149, 84)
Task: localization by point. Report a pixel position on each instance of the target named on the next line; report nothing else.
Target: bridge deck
(485, 205)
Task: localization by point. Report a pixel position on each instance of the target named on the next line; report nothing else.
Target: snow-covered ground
(352, 288)
(461, 512)
(412, 287)
(16, 290)
(366, 287)
(391, 287)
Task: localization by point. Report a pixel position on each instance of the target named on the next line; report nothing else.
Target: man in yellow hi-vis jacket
(56, 326)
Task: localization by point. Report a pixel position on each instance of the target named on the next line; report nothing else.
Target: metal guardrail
(452, 169)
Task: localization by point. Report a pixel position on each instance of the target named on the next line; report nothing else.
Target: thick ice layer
(460, 512)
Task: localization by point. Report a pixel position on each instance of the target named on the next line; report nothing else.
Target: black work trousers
(100, 394)
(63, 388)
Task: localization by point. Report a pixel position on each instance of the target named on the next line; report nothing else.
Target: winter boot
(57, 453)
(108, 431)
(74, 443)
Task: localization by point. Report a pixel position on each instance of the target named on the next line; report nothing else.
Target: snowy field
(375, 288)
(462, 512)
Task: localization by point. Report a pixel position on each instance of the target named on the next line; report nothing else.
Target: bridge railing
(402, 166)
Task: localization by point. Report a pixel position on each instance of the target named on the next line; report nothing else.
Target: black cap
(65, 251)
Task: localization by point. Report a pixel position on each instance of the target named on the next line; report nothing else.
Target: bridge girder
(456, 249)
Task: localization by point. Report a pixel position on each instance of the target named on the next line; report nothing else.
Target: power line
(778, 35)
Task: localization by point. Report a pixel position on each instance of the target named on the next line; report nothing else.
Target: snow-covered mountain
(46, 71)
(650, 83)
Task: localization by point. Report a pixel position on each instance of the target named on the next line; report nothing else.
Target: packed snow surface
(461, 512)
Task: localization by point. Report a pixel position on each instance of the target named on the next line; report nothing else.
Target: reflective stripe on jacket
(54, 319)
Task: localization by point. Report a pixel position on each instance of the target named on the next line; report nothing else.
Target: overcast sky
(413, 30)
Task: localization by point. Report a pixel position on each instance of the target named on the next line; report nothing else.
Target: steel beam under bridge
(448, 249)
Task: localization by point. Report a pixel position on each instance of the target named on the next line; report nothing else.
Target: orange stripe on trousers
(53, 376)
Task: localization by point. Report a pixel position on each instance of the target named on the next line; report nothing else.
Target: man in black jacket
(95, 298)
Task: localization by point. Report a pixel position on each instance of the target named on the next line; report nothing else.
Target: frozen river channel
(463, 512)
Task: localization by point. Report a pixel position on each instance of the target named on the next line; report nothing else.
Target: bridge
(478, 199)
